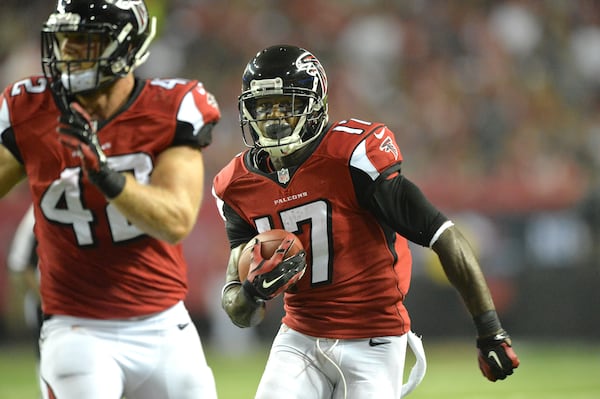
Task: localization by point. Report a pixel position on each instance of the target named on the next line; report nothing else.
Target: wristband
(487, 323)
(229, 285)
(111, 183)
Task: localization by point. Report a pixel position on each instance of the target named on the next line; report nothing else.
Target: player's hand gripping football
(496, 356)
(78, 132)
(268, 278)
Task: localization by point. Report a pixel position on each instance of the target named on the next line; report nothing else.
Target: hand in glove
(78, 132)
(268, 278)
(496, 356)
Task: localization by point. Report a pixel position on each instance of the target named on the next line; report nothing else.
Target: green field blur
(553, 370)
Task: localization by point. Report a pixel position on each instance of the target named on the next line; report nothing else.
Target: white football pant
(156, 357)
(304, 367)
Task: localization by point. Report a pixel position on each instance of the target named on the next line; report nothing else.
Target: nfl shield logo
(283, 176)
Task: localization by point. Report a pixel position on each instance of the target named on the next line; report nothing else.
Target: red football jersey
(93, 262)
(358, 273)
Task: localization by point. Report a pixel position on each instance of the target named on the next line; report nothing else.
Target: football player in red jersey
(339, 187)
(115, 169)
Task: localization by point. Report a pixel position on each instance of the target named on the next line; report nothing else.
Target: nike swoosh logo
(372, 342)
(380, 134)
(267, 284)
(494, 356)
(182, 326)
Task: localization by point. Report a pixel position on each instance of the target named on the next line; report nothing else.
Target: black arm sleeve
(9, 141)
(238, 230)
(400, 204)
(184, 135)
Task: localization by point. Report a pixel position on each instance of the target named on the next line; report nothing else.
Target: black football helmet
(287, 74)
(117, 33)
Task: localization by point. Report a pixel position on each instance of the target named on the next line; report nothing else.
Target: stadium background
(496, 109)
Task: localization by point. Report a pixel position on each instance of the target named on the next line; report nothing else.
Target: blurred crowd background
(495, 105)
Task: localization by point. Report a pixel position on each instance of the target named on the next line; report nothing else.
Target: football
(270, 239)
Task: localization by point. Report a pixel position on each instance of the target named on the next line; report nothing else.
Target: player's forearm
(157, 211)
(463, 271)
(242, 310)
(496, 356)
(11, 171)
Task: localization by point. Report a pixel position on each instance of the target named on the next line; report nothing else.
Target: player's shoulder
(234, 170)
(170, 85)
(30, 90)
(344, 135)
(26, 98)
(355, 126)
(168, 92)
(189, 96)
(177, 87)
(353, 130)
(356, 138)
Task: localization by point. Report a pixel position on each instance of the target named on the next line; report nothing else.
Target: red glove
(496, 356)
(78, 132)
(268, 278)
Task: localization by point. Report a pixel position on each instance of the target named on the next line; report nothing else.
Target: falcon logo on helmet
(139, 11)
(309, 63)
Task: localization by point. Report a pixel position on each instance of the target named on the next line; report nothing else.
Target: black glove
(268, 278)
(79, 133)
(496, 356)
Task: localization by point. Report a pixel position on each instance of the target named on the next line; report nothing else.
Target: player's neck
(105, 103)
(295, 158)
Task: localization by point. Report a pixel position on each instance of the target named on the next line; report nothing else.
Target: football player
(115, 170)
(339, 187)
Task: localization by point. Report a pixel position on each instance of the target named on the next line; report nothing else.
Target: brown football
(271, 239)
